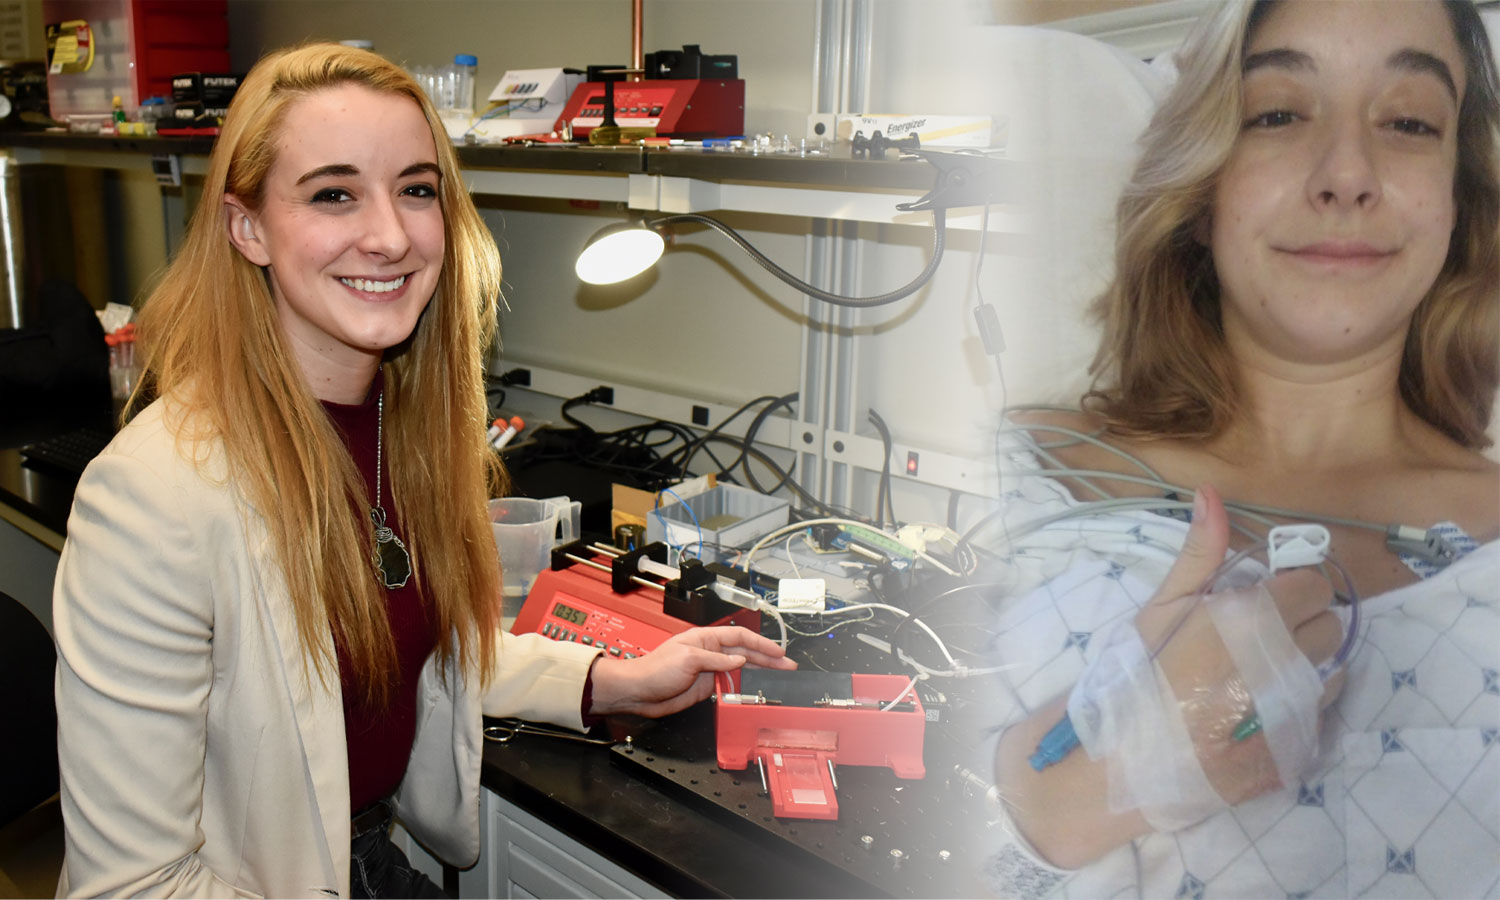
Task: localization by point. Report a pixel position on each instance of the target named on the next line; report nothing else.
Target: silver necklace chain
(390, 555)
(379, 443)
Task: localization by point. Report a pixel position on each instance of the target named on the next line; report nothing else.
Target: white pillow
(1080, 107)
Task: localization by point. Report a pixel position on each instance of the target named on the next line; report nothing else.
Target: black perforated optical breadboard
(894, 837)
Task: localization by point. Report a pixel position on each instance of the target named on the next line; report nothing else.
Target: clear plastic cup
(525, 531)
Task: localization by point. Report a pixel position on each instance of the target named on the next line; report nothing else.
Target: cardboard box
(631, 506)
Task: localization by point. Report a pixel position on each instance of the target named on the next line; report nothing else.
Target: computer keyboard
(70, 451)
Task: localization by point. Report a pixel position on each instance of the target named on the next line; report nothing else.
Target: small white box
(545, 89)
(801, 594)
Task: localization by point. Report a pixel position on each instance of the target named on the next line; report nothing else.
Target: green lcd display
(569, 614)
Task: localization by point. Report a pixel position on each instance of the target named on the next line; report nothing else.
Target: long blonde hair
(1163, 367)
(214, 348)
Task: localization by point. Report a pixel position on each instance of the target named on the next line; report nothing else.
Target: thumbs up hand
(1232, 710)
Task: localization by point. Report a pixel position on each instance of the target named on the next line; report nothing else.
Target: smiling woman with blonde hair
(277, 612)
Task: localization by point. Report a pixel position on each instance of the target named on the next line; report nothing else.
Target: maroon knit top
(380, 740)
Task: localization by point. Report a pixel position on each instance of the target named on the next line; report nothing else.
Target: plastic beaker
(526, 530)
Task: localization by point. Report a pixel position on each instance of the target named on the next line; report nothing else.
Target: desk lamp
(626, 249)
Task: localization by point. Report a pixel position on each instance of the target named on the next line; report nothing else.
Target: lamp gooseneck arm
(938, 237)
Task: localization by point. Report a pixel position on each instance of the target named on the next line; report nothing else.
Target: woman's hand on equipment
(680, 672)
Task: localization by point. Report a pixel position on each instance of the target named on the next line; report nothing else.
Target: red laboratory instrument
(797, 747)
(625, 603)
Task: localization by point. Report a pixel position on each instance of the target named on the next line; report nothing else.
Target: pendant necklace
(390, 555)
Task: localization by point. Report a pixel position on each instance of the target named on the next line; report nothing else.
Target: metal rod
(606, 549)
(760, 764)
(587, 562)
(643, 582)
(833, 776)
(637, 52)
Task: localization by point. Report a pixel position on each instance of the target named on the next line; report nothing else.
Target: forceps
(507, 730)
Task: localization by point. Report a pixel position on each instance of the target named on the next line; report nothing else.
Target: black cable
(939, 223)
(568, 417)
(785, 400)
(883, 496)
(926, 606)
(785, 479)
(968, 536)
(693, 448)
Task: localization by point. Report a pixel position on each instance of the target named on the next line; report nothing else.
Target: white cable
(806, 523)
(796, 572)
(958, 671)
(1078, 436)
(1247, 509)
(800, 633)
(777, 534)
(807, 539)
(922, 554)
(775, 614)
(904, 691)
(903, 613)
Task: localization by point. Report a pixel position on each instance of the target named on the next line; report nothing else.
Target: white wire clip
(1294, 546)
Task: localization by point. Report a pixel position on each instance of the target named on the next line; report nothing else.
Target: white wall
(707, 322)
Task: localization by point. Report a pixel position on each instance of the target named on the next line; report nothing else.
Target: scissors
(507, 730)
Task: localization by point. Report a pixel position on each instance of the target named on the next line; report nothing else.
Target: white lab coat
(200, 755)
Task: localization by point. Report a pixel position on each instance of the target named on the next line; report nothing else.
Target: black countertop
(894, 838)
(686, 851)
(41, 494)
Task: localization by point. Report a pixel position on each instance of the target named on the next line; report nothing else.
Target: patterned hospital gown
(1405, 798)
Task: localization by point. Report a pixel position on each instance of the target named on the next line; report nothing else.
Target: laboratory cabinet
(523, 856)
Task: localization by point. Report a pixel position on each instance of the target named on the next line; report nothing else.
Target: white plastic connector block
(917, 537)
(1294, 546)
(801, 594)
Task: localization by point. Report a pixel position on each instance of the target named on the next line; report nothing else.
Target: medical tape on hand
(1125, 714)
(1284, 685)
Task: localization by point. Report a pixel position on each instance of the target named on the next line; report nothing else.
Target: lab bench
(559, 818)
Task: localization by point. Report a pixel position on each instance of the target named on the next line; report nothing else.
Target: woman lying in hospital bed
(1304, 325)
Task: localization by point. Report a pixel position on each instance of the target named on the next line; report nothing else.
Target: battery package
(979, 132)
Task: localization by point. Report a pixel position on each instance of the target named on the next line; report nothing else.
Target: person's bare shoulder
(1467, 492)
(1071, 439)
(1448, 482)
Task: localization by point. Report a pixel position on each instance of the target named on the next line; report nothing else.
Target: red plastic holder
(798, 747)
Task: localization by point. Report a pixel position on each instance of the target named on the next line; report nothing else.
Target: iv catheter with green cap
(1286, 547)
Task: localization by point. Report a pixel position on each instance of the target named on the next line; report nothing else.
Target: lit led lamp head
(624, 250)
